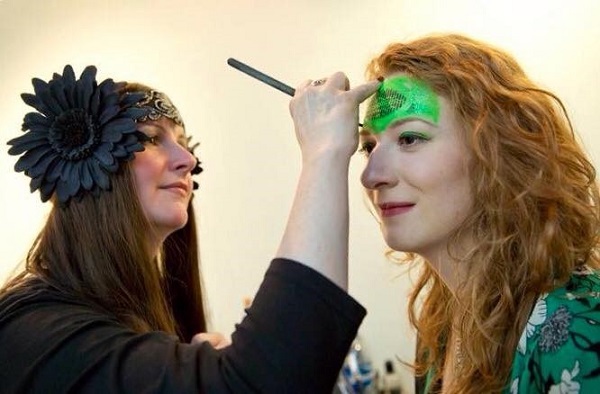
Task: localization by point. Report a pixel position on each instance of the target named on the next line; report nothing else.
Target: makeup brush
(263, 77)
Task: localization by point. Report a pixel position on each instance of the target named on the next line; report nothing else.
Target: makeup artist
(109, 300)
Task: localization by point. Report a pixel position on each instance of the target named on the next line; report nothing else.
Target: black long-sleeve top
(293, 339)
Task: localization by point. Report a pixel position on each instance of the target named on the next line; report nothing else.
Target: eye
(366, 147)
(144, 138)
(184, 143)
(411, 138)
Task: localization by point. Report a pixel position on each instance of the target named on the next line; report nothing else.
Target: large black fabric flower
(79, 135)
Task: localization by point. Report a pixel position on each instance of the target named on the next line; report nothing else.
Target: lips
(395, 208)
(179, 187)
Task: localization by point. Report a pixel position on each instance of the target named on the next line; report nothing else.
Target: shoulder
(575, 301)
(561, 341)
(579, 296)
(584, 284)
(36, 299)
(37, 316)
(53, 340)
(573, 307)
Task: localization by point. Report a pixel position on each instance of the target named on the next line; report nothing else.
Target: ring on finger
(319, 82)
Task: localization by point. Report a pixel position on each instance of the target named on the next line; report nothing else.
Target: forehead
(448, 125)
(401, 96)
(158, 105)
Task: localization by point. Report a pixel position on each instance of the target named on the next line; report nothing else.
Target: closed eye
(147, 139)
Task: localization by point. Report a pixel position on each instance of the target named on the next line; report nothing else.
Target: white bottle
(390, 380)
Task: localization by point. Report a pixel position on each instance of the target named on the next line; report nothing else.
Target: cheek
(455, 188)
(146, 170)
(444, 178)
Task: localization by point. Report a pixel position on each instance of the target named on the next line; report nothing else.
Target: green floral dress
(559, 351)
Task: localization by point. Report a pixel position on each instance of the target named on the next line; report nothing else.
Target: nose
(181, 158)
(378, 173)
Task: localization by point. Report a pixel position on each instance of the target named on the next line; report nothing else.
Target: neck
(155, 247)
(447, 268)
(450, 264)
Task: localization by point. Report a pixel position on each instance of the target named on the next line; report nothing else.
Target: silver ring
(319, 82)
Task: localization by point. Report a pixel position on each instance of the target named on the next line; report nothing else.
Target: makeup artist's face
(416, 176)
(163, 175)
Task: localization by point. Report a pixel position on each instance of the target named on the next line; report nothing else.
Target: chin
(172, 222)
(398, 244)
(179, 222)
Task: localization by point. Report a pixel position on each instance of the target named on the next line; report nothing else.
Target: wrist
(327, 157)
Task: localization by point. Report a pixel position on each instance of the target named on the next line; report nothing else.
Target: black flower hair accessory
(79, 135)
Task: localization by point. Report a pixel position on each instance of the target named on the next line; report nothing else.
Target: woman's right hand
(216, 339)
(326, 115)
(326, 121)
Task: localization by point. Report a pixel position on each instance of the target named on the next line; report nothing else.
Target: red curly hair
(536, 212)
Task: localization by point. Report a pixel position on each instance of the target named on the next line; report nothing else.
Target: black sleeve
(293, 340)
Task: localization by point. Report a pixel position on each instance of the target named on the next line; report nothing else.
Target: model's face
(163, 175)
(417, 178)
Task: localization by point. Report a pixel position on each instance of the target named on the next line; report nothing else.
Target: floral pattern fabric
(559, 350)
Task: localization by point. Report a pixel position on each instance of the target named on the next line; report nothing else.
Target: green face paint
(399, 98)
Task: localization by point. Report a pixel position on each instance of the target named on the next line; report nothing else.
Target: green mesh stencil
(399, 98)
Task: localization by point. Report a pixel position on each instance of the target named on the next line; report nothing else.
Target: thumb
(362, 92)
(202, 337)
(215, 339)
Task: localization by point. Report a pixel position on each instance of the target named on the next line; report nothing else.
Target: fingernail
(380, 78)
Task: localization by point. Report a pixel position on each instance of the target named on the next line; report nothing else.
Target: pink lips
(178, 187)
(395, 208)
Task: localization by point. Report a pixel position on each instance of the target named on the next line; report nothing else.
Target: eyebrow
(411, 119)
(178, 136)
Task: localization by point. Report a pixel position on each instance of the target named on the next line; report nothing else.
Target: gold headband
(158, 104)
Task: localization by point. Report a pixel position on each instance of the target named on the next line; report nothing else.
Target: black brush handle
(261, 76)
(246, 69)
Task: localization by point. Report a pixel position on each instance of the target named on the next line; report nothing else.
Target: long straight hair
(96, 249)
(183, 279)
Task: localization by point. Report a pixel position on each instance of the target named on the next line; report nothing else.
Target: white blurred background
(247, 146)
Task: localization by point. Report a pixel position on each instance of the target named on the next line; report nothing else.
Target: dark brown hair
(96, 248)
